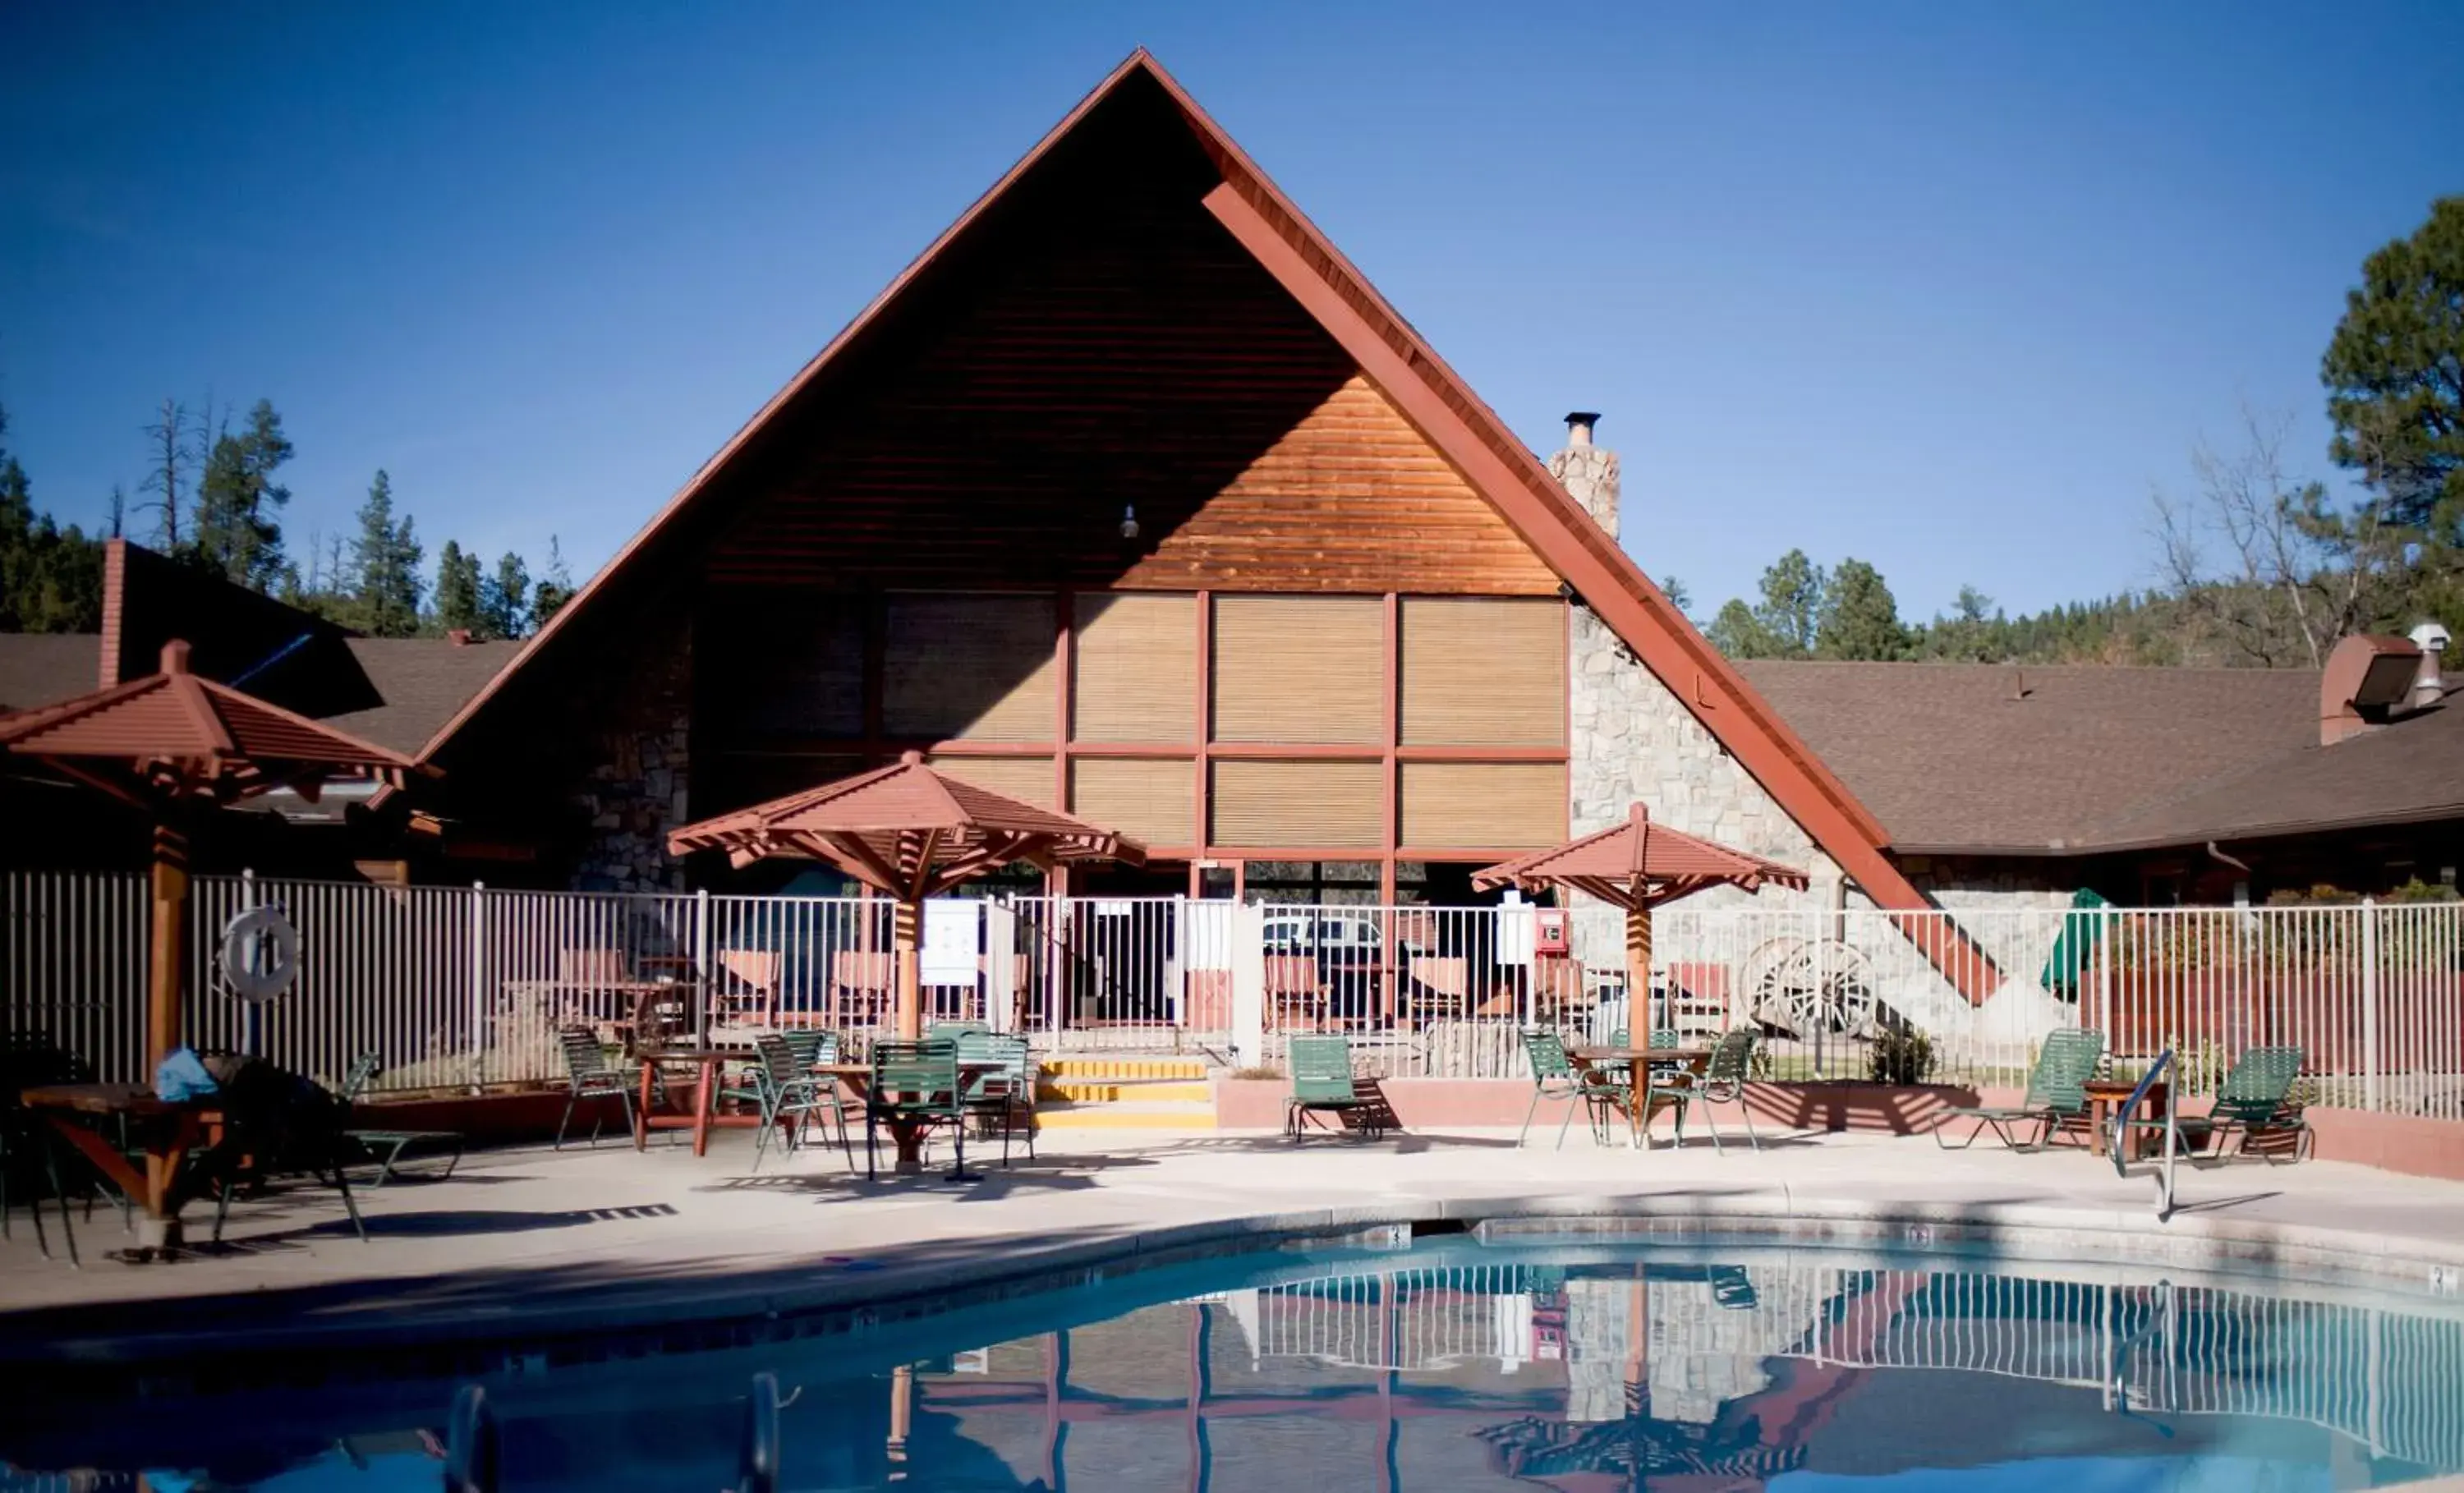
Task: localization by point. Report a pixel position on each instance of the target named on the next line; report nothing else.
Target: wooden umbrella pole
(903, 921)
(168, 954)
(1637, 967)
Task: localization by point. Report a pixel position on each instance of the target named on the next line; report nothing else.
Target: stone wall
(637, 789)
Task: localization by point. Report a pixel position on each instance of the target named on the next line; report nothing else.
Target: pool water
(1448, 1364)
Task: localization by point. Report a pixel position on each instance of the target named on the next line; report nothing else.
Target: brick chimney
(1588, 472)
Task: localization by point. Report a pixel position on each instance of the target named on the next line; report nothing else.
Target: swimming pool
(1515, 1361)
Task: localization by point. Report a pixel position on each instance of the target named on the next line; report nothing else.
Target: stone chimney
(1587, 472)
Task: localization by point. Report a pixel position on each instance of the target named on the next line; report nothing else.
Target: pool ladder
(2119, 1149)
(472, 1462)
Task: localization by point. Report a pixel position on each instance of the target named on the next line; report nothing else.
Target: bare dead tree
(174, 455)
(2259, 563)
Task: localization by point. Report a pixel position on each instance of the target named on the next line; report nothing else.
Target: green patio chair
(2057, 1093)
(1554, 1076)
(388, 1146)
(2257, 1095)
(915, 1083)
(1004, 1094)
(1723, 1079)
(1322, 1084)
(788, 1095)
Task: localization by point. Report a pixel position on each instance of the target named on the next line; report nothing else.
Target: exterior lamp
(1129, 521)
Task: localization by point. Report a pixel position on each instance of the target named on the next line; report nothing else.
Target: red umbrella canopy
(1639, 865)
(175, 734)
(904, 829)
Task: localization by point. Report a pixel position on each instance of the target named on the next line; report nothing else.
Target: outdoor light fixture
(1129, 521)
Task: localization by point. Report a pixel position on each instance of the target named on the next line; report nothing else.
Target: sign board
(951, 940)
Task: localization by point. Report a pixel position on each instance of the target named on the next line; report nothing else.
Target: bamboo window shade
(1154, 802)
(1483, 672)
(1483, 805)
(1025, 779)
(971, 667)
(1134, 668)
(1299, 806)
(1300, 669)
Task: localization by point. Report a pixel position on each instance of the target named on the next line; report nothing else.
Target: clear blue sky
(1946, 288)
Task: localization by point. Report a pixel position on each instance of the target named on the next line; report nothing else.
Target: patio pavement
(532, 1240)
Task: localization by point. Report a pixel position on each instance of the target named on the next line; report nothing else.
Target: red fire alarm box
(1549, 931)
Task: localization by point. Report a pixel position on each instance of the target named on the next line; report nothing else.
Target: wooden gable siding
(1119, 350)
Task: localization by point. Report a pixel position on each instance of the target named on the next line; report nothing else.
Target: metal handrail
(2119, 1151)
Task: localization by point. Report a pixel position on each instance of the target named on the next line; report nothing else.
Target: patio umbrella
(910, 832)
(1639, 865)
(172, 741)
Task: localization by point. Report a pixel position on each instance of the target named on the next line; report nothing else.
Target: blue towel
(183, 1077)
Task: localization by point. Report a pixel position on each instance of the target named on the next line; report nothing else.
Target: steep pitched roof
(1438, 403)
(41, 667)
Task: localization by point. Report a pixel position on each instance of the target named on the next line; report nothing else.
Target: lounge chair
(1322, 1084)
(747, 987)
(1554, 1076)
(2057, 1093)
(388, 1146)
(274, 1123)
(2257, 1095)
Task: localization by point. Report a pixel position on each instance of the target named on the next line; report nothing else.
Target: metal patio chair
(2057, 1093)
(591, 1076)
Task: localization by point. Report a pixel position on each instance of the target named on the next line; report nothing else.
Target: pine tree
(1860, 618)
(457, 591)
(555, 587)
(50, 578)
(238, 499)
(504, 599)
(385, 556)
(172, 453)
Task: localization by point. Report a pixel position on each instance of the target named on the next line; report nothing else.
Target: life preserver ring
(260, 953)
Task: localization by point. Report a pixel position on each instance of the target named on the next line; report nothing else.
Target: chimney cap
(1578, 425)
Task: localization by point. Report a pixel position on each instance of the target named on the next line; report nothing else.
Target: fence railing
(456, 986)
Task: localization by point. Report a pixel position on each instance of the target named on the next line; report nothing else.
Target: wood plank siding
(1119, 351)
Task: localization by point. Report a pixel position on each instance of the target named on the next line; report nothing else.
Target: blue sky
(1945, 288)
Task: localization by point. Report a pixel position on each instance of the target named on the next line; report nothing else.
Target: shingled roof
(1967, 758)
(421, 681)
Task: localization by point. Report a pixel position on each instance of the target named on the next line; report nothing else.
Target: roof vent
(2366, 683)
(459, 637)
(2428, 687)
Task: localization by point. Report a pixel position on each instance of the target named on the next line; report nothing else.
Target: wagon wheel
(1805, 987)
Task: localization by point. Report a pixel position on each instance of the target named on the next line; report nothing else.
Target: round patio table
(1639, 1063)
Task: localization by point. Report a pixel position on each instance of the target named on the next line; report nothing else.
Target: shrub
(1900, 1057)
(1265, 1071)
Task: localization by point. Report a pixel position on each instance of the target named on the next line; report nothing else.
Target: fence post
(2105, 955)
(2369, 1003)
(707, 979)
(479, 984)
(1249, 985)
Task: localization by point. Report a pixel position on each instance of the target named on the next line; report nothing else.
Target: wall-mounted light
(1129, 521)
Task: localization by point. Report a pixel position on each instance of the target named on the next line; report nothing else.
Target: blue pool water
(1449, 1364)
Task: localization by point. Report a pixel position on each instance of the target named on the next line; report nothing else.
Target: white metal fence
(454, 986)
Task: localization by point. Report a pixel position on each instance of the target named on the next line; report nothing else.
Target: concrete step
(1091, 1090)
(1156, 1115)
(1126, 1067)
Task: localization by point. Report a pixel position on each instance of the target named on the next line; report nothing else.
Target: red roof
(1639, 864)
(180, 732)
(906, 829)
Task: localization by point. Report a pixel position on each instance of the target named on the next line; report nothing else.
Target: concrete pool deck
(533, 1241)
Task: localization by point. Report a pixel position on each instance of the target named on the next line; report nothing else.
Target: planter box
(1495, 1103)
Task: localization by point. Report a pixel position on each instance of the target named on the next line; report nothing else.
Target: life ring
(260, 953)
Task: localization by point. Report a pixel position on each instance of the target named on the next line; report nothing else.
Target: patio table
(2107, 1095)
(705, 1060)
(1639, 1063)
(166, 1131)
(910, 1137)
